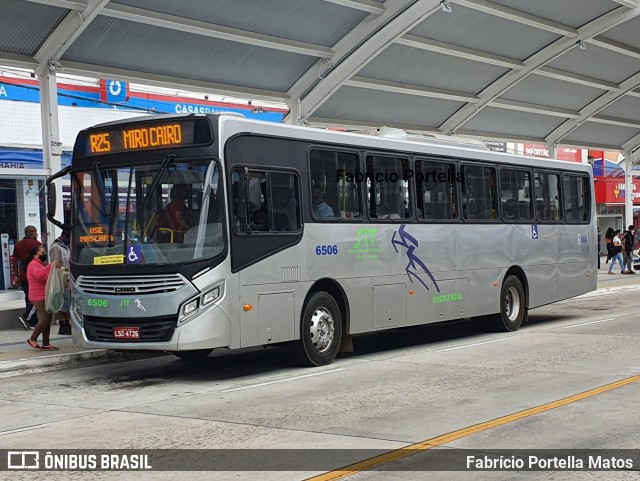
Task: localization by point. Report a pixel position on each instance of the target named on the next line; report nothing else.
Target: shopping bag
(54, 290)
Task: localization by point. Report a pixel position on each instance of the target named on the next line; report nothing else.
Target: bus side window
(273, 204)
(436, 193)
(576, 197)
(547, 189)
(335, 194)
(389, 194)
(479, 192)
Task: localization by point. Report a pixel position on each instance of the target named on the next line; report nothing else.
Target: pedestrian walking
(616, 252)
(22, 251)
(37, 275)
(608, 236)
(60, 252)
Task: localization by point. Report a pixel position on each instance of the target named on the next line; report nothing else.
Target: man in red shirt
(21, 251)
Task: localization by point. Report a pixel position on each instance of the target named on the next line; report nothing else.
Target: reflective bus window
(576, 197)
(336, 184)
(157, 214)
(547, 188)
(388, 187)
(515, 195)
(436, 190)
(479, 193)
(265, 201)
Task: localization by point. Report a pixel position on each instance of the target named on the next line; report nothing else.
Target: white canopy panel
(545, 71)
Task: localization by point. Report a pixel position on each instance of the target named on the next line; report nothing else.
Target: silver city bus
(196, 232)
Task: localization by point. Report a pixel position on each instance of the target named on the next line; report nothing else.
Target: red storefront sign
(611, 191)
(570, 154)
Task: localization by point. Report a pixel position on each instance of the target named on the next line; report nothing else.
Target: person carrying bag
(55, 290)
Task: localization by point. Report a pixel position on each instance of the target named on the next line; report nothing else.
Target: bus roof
(411, 144)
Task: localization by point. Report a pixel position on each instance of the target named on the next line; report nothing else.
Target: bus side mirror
(51, 199)
(254, 194)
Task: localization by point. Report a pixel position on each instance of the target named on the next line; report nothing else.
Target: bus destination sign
(139, 137)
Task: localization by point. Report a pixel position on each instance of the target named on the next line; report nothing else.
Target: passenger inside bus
(320, 207)
(173, 220)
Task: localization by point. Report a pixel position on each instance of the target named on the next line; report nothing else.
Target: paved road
(400, 388)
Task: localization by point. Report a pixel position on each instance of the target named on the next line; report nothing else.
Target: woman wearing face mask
(37, 275)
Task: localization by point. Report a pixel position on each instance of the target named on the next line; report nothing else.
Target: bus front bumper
(209, 331)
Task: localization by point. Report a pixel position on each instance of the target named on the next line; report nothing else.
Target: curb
(608, 290)
(54, 362)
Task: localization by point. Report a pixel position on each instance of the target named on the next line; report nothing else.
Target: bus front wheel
(195, 355)
(512, 305)
(320, 331)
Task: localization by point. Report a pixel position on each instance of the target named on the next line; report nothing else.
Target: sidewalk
(614, 283)
(17, 358)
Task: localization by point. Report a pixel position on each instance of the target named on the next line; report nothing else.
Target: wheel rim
(322, 329)
(512, 304)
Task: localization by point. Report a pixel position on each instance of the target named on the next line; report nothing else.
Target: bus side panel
(450, 302)
(540, 258)
(354, 255)
(270, 282)
(574, 260)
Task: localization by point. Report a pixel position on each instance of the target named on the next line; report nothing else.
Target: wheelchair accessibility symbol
(534, 231)
(134, 256)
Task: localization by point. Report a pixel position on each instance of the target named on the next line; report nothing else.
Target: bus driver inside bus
(320, 207)
(174, 216)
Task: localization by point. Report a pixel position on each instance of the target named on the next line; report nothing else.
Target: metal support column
(51, 145)
(294, 112)
(628, 189)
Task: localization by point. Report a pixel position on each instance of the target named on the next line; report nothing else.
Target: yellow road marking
(461, 433)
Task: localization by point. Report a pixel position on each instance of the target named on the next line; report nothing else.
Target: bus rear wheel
(320, 331)
(195, 355)
(512, 306)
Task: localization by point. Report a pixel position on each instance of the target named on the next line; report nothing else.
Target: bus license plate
(126, 332)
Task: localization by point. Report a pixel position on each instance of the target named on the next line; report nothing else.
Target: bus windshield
(165, 212)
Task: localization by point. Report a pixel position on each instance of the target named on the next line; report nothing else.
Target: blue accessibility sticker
(134, 255)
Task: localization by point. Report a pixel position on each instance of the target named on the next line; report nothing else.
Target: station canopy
(537, 71)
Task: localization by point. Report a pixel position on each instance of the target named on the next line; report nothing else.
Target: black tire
(315, 348)
(195, 355)
(513, 308)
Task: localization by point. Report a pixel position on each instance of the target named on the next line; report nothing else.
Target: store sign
(114, 91)
(533, 150)
(26, 159)
(612, 191)
(570, 154)
(495, 146)
(115, 95)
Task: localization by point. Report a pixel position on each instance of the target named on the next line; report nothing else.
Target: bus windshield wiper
(157, 180)
(113, 214)
(97, 175)
(126, 211)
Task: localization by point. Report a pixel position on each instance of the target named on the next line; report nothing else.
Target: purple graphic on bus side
(410, 243)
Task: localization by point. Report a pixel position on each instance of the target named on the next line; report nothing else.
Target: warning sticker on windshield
(104, 260)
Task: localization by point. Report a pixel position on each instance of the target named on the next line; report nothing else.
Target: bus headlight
(210, 296)
(188, 310)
